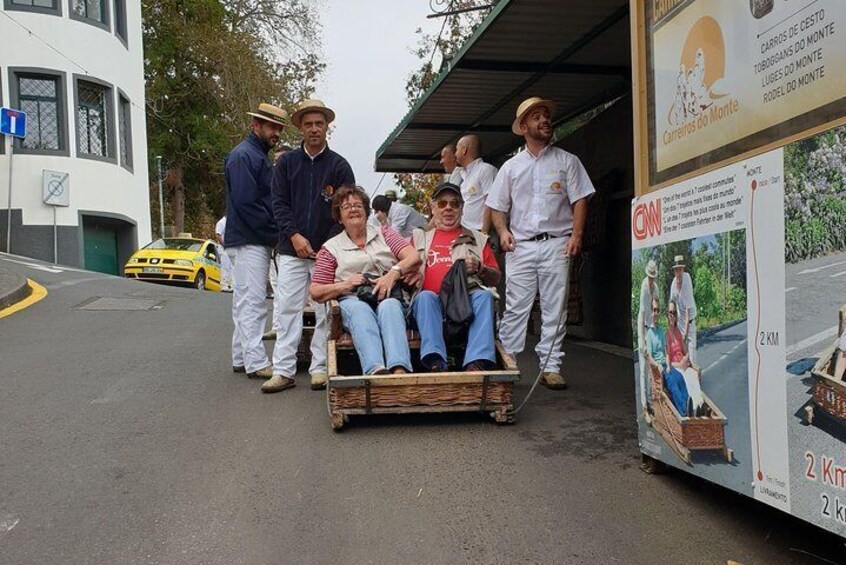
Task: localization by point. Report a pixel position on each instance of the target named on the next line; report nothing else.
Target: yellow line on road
(38, 292)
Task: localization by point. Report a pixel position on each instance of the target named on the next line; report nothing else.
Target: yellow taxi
(177, 260)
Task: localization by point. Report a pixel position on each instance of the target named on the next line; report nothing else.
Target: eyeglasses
(451, 202)
(348, 207)
(672, 313)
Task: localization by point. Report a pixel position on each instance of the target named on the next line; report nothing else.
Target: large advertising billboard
(739, 312)
(739, 247)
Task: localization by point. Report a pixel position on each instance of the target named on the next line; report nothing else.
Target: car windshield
(177, 244)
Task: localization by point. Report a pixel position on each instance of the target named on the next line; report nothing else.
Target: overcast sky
(367, 46)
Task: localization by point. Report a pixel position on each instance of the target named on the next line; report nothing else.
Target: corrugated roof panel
(573, 51)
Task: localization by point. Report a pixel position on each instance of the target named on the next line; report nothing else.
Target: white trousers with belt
(249, 305)
(292, 293)
(536, 267)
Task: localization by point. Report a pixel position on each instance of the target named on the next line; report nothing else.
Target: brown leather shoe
(553, 381)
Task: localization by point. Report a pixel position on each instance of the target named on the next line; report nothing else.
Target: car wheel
(200, 281)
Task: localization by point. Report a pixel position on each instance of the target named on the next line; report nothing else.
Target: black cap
(447, 186)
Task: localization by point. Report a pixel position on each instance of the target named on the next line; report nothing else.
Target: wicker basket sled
(828, 394)
(685, 434)
(354, 394)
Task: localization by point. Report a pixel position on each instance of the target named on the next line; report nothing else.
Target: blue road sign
(12, 122)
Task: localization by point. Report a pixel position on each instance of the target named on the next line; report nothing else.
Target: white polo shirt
(683, 297)
(475, 181)
(539, 192)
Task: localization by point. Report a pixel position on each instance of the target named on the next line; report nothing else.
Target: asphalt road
(125, 438)
(815, 291)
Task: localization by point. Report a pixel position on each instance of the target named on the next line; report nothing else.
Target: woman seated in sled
(680, 361)
(840, 363)
(656, 351)
(362, 267)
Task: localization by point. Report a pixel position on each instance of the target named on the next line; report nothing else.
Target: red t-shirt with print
(439, 258)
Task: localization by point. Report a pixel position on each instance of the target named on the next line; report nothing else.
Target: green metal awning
(575, 52)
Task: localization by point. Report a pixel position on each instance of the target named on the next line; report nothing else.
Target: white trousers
(690, 342)
(536, 267)
(273, 275)
(225, 269)
(237, 338)
(249, 305)
(291, 294)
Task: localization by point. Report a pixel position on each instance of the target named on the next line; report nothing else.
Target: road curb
(13, 288)
(715, 329)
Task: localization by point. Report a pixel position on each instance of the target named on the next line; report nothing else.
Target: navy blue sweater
(249, 212)
(302, 195)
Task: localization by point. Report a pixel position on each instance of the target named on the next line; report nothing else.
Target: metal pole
(9, 152)
(55, 239)
(161, 200)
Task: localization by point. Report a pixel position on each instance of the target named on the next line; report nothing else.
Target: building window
(42, 6)
(125, 131)
(120, 19)
(92, 121)
(39, 97)
(91, 11)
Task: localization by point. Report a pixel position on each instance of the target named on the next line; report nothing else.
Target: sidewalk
(13, 288)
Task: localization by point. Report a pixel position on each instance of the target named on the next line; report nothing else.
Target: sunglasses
(656, 309)
(671, 313)
(451, 202)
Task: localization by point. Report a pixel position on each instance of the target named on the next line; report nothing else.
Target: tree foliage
(456, 29)
(207, 63)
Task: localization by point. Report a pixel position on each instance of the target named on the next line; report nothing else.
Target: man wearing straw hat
(250, 236)
(681, 292)
(645, 320)
(545, 190)
(304, 181)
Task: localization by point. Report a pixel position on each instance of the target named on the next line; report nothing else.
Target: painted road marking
(8, 523)
(38, 292)
(830, 333)
(818, 269)
(791, 289)
(840, 274)
(723, 356)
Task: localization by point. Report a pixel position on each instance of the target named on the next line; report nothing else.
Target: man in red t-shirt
(440, 247)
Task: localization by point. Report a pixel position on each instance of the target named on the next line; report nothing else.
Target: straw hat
(270, 113)
(527, 105)
(391, 195)
(678, 262)
(312, 105)
(652, 269)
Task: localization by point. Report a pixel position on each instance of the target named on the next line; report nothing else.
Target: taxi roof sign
(12, 122)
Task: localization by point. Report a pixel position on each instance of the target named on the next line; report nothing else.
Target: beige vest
(469, 243)
(376, 258)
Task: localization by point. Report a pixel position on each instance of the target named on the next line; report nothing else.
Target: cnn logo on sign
(647, 219)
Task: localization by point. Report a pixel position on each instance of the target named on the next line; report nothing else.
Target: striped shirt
(326, 263)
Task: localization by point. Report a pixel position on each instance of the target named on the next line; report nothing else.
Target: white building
(76, 68)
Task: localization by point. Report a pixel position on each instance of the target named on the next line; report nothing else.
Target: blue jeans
(429, 316)
(678, 390)
(371, 331)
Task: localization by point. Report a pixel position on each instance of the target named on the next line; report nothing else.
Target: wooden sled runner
(828, 394)
(459, 391)
(685, 434)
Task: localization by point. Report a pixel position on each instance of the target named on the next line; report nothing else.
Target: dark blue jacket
(302, 195)
(249, 211)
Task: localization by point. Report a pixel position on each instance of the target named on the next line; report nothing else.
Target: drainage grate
(121, 304)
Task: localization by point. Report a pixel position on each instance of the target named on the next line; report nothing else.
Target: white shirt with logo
(539, 192)
(475, 181)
